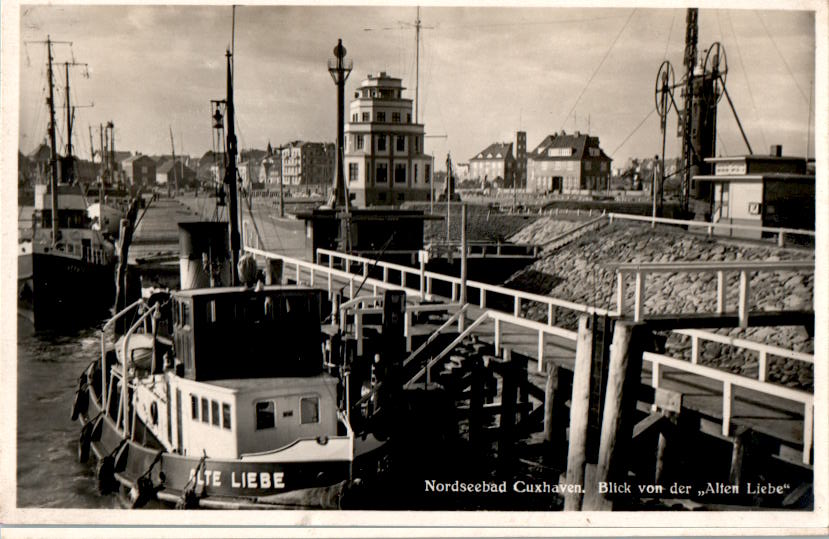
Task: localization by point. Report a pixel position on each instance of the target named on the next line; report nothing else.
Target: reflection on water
(48, 472)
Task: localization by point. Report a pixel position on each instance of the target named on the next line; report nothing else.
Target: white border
(376, 523)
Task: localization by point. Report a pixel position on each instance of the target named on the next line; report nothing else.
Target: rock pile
(580, 272)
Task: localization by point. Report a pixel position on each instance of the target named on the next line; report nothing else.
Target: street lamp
(340, 70)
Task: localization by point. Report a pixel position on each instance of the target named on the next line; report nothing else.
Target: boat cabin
(249, 378)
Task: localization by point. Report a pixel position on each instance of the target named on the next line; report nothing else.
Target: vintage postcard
(414, 269)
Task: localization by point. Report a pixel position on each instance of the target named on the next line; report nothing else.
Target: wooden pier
(670, 393)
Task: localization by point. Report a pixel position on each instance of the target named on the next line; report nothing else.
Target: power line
(785, 63)
(595, 71)
(635, 129)
(748, 82)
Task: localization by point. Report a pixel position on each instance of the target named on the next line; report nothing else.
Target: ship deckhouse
(249, 381)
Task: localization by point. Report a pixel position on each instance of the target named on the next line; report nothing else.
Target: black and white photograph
(419, 269)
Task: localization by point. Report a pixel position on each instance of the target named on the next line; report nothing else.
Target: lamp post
(340, 70)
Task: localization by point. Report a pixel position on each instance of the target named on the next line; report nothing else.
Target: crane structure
(702, 88)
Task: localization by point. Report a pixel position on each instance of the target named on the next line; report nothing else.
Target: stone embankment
(579, 272)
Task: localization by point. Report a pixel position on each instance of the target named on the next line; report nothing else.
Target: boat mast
(53, 183)
(230, 175)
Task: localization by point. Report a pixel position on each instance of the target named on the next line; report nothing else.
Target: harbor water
(48, 472)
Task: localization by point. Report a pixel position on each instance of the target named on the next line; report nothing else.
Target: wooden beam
(579, 410)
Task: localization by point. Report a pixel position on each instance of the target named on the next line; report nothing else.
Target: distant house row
(561, 163)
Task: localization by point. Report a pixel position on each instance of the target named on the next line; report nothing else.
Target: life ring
(141, 492)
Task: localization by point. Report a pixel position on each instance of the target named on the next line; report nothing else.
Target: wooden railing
(743, 267)
(302, 269)
(729, 381)
(780, 232)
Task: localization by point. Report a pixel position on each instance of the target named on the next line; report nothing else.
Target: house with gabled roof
(493, 162)
(568, 163)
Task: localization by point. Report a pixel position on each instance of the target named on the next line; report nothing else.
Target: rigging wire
(598, 67)
(670, 33)
(635, 129)
(785, 63)
(748, 82)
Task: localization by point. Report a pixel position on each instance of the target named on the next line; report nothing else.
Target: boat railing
(104, 329)
(129, 423)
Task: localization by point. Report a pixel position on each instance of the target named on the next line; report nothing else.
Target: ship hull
(138, 467)
(56, 291)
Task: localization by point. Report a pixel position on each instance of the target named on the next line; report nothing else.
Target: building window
(382, 175)
(381, 143)
(417, 144)
(226, 416)
(408, 117)
(381, 117)
(366, 117)
(194, 407)
(587, 165)
(214, 412)
(401, 144)
(395, 117)
(309, 410)
(265, 415)
(603, 166)
(353, 170)
(359, 140)
(205, 411)
(354, 117)
(400, 173)
(415, 173)
(381, 196)
(427, 177)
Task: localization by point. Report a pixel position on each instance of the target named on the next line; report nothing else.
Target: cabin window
(205, 411)
(309, 410)
(194, 407)
(226, 416)
(185, 313)
(265, 415)
(175, 313)
(214, 412)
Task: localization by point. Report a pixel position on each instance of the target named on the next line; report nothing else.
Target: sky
(485, 73)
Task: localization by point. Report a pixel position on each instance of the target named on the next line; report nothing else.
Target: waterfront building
(493, 163)
(165, 173)
(139, 170)
(385, 163)
(761, 190)
(562, 163)
(307, 163)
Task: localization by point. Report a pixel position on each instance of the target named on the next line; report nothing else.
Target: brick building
(565, 163)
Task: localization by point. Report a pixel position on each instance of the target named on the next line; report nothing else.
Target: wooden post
(554, 398)
(619, 406)
(476, 398)
(509, 395)
(579, 408)
(273, 271)
(124, 241)
(463, 255)
(738, 452)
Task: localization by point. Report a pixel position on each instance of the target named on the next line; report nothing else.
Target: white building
(385, 163)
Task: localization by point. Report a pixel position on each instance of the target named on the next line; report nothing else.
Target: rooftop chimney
(776, 150)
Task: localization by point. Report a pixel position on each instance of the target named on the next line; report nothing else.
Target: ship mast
(230, 175)
(53, 181)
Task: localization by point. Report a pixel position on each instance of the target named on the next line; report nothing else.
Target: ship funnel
(204, 254)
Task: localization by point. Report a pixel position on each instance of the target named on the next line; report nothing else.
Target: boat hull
(56, 291)
(146, 472)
